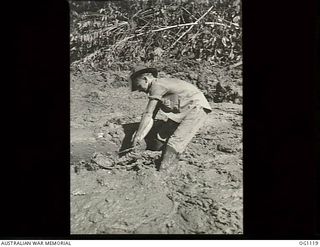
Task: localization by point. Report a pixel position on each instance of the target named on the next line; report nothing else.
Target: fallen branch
(157, 30)
(197, 21)
(139, 11)
(175, 26)
(221, 24)
(231, 23)
(235, 65)
(189, 13)
(140, 30)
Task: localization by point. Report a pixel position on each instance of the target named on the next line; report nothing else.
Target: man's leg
(179, 140)
(162, 136)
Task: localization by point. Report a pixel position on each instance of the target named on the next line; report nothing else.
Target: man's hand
(145, 124)
(135, 140)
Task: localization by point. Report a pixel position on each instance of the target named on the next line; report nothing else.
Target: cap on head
(138, 70)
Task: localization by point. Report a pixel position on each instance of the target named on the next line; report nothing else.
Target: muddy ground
(127, 195)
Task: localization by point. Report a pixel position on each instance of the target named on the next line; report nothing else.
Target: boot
(169, 157)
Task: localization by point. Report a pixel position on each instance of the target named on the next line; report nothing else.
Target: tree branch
(221, 24)
(235, 65)
(175, 26)
(196, 22)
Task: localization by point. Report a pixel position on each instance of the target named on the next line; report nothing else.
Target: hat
(138, 70)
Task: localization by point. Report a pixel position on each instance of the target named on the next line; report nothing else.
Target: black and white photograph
(156, 133)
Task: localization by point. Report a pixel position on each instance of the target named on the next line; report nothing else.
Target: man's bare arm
(145, 126)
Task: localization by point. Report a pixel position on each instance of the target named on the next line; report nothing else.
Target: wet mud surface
(127, 195)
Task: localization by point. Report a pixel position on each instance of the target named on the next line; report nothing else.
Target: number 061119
(308, 242)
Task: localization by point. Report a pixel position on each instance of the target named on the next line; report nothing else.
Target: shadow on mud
(150, 140)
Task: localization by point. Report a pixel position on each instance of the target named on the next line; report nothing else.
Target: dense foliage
(154, 30)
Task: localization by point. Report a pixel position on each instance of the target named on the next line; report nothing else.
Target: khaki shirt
(177, 97)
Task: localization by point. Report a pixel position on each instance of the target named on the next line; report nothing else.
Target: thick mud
(126, 194)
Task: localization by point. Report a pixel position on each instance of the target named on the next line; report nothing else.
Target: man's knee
(157, 145)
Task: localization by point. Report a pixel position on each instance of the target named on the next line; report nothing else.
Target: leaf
(236, 19)
(238, 8)
(224, 41)
(231, 55)
(236, 3)
(158, 51)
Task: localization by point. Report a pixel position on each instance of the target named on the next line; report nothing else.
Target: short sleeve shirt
(176, 97)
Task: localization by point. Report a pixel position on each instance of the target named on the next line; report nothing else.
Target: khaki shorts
(178, 135)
